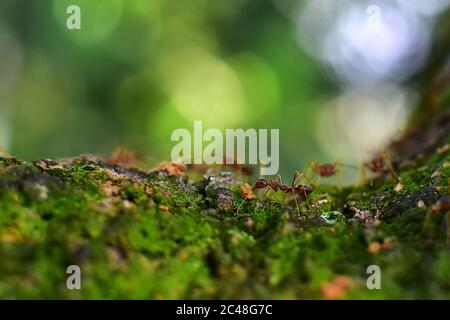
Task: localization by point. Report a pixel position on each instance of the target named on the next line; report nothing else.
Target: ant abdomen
(303, 190)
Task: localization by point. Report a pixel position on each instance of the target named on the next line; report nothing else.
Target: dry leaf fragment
(398, 187)
(246, 192)
(435, 174)
(336, 288)
(444, 149)
(164, 208)
(124, 156)
(377, 247)
(148, 191)
(109, 189)
(10, 237)
(172, 169)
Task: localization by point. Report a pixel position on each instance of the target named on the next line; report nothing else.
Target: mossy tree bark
(171, 233)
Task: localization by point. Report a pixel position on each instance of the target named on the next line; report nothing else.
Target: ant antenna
(298, 175)
(348, 165)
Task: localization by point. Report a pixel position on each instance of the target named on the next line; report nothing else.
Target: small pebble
(398, 187)
(421, 204)
(163, 208)
(435, 174)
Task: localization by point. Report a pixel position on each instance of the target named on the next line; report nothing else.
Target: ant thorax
(326, 170)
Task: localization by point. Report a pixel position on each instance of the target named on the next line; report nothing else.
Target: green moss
(158, 237)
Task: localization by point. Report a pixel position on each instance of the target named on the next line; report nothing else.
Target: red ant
(326, 170)
(301, 190)
(381, 164)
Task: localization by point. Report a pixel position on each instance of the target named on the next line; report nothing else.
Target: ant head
(376, 164)
(260, 183)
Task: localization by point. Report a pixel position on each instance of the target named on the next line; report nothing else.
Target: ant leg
(297, 176)
(239, 206)
(267, 191)
(296, 203)
(300, 175)
(388, 161)
(316, 180)
(306, 199)
(386, 158)
(362, 175)
(294, 179)
(360, 171)
(349, 165)
(315, 176)
(279, 180)
(310, 168)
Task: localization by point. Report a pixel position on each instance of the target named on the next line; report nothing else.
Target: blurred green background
(137, 70)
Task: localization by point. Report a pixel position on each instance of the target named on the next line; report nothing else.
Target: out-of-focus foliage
(139, 69)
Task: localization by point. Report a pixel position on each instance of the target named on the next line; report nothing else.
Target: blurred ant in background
(325, 170)
(381, 164)
(297, 189)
